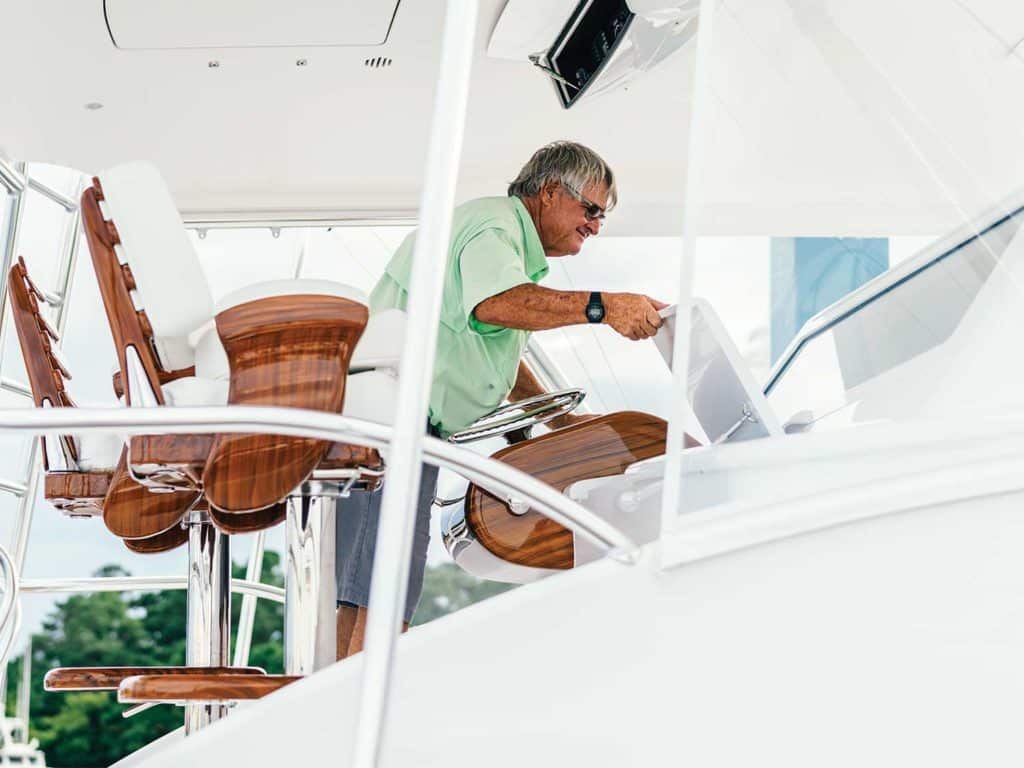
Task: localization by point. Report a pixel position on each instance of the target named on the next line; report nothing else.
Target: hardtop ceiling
(826, 117)
(251, 130)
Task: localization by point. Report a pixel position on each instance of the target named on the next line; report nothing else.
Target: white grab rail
(8, 605)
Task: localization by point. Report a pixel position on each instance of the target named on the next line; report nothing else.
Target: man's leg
(353, 525)
(347, 616)
(359, 580)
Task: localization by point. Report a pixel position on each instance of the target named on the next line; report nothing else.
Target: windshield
(882, 167)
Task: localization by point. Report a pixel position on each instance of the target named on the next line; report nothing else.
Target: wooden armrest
(170, 539)
(109, 678)
(171, 450)
(132, 511)
(248, 522)
(165, 377)
(192, 687)
(77, 494)
(347, 456)
(601, 447)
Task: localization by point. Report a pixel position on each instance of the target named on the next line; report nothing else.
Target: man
(498, 253)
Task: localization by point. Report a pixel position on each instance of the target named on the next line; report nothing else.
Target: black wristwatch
(595, 308)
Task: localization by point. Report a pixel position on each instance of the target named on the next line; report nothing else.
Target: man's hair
(565, 162)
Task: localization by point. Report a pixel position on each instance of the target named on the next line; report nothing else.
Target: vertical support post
(389, 582)
(310, 636)
(25, 689)
(15, 207)
(692, 198)
(247, 615)
(208, 621)
(12, 180)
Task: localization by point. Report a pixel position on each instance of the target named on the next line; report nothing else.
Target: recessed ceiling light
(92, 106)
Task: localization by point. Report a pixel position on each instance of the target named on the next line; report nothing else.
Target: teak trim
(291, 351)
(36, 337)
(129, 327)
(227, 687)
(601, 447)
(109, 678)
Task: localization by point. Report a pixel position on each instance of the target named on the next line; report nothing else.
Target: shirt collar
(535, 262)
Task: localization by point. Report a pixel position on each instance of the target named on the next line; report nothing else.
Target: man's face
(564, 225)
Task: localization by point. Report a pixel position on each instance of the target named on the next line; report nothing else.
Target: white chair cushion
(381, 343)
(271, 288)
(372, 396)
(97, 453)
(211, 359)
(170, 283)
(192, 390)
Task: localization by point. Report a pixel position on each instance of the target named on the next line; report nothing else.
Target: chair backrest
(170, 284)
(46, 373)
(130, 328)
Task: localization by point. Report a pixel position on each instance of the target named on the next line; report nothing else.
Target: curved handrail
(484, 471)
(9, 604)
(67, 586)
(295, 422)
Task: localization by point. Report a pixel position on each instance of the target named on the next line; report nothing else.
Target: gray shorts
(357, 518)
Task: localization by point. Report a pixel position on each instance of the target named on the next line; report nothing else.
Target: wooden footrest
(109, 678)
(191, 687)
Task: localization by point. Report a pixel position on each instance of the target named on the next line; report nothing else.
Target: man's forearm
(530, 307)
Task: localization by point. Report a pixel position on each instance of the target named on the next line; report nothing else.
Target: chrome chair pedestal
(310, 637)
(208, 623)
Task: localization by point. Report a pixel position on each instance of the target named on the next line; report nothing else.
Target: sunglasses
(591, 210)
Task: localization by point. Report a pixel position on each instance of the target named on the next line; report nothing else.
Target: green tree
(148, 629)
(447, 588)
(129, 629)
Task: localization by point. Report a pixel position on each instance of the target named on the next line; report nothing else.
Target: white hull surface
(892, 639)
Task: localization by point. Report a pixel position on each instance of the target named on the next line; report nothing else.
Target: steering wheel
(521, 415)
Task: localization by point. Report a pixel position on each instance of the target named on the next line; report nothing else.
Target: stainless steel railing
(494, 475)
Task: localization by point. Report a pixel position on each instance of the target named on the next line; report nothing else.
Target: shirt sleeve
(489, 264)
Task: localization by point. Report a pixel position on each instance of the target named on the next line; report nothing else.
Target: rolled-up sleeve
(489, 264)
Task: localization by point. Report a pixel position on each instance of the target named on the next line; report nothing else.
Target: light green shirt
(494, 247)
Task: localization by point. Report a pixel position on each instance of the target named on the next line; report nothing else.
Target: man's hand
(631, 314)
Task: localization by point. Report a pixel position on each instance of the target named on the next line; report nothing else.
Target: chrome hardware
(748, 417)
(521, 414)
(455, 533)
(517, 506)
(208, 621)
(310, 640)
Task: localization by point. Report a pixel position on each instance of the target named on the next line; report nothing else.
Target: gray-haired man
(498, 254)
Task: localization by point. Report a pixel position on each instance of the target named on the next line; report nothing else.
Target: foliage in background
(447, 588)
(148, 629)
(130, 629)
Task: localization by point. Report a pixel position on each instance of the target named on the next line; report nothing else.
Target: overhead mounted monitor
(606, 43)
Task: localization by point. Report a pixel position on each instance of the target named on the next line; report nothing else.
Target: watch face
(595, 313)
